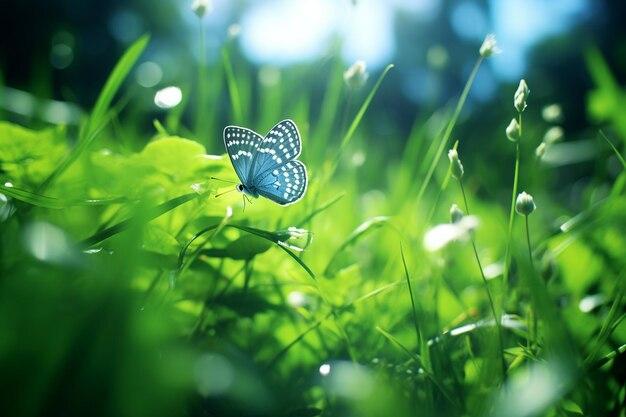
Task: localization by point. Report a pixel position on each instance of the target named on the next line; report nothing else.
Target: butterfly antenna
(219, 179)
(225, 192)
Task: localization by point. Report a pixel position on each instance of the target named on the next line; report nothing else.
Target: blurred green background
(128, 288)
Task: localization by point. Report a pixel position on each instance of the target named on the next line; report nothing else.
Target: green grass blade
(364, 228)
(233, 90)
(329, 110)
(363, 109)
(276, 239)
(446, 136)
(151, 215)
(115, 80)
(273, 237)
(43, 201)
(416, 358)
(421, 363)
(619, 155)
(418, 334)
(98, 119)
(320, 209)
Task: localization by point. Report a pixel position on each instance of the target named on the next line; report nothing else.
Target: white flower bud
(553, 135)
(356, 75)
(455, 163)
(489, 46)
(456, 214)
(525, 204)
(540, 150)
(201, 7)
(513, 131)
(519, 99)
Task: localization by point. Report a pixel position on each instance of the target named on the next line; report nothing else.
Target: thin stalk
(532, 316)
(408, 282)
(202, 108)
(530, 252)
(507, 254)
(346, 111)
(233, 89)
(448, 131)
(496, 319)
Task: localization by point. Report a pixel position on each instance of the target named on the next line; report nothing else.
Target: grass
(127, 288)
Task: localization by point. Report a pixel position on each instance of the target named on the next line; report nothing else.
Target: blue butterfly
(267, 165)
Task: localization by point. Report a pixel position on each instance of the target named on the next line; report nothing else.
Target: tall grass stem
(496, 317)
(507, 253)
(446, 136)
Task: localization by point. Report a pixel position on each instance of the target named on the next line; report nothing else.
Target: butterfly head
(246, 191)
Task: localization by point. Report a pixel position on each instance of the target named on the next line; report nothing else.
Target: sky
(284, 32)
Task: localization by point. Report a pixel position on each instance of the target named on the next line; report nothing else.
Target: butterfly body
(267, 166)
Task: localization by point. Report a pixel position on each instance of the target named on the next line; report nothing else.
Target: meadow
(409, 280)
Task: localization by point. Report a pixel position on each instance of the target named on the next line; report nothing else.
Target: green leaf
(571, 407)
(277, 238)
(246, 305)
(27, 156)
(158, 240)
(244, 248)
(169, 165)
(247, 247)
(174, 156)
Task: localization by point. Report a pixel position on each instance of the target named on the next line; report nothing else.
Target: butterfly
(267, 166)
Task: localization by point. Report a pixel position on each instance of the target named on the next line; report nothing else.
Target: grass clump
(127, 288)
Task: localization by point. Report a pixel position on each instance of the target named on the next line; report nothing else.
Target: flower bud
(552, 113)
(553, 135)
(519, 99)
(541, 149)
(513, 131)
(455, 164)
(489, 46)
(356, 75)
(456, 214)
(201, 7)
(525, 204)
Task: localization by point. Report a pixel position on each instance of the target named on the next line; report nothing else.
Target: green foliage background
(127, 288)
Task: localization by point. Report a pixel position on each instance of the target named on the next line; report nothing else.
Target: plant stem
(530, 252)
(448, 131)
(507, 254)
(533, 317)
(408, 281)
(496, 318)
(202, 108)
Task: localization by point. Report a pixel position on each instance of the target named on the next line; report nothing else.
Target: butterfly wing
(285, 184)
(242, 146)
(281, 144)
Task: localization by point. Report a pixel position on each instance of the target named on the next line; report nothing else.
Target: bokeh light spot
(325, 369)
(168, 97)
(214, 374)
(61, 56)
(46, 242)
(148, 74)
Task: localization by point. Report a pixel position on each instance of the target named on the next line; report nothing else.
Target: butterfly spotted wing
(267, 165)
